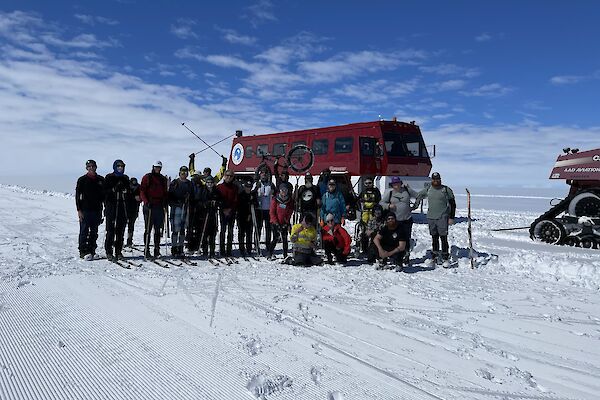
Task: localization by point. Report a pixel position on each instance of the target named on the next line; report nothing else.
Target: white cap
(329, 217)
(157, 164)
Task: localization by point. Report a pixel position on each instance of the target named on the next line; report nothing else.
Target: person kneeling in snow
(336, 241)
(390, 242)
(304, 239)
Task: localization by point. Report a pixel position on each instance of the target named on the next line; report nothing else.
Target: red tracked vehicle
(378, 148)
(575, 221)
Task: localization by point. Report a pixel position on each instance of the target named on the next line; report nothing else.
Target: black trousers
(331, 250)
(279, 231)
(116, 221)
(227, 222)
(154, 218)
(263, 218)
(88, 231)
(406, 227)
(245, 230)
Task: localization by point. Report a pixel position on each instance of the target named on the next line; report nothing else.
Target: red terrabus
(378, 148)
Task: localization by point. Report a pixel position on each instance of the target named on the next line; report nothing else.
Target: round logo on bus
(237, 154)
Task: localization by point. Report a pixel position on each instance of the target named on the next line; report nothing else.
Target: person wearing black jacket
(180, 192)
(132, 202)
(247, 200)
(308, 197)
(89, 200)
(210, 199)
(116, 189)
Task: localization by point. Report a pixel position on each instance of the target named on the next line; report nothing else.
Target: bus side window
(262, 149)
(320, 146)
(279, 149)
(343, 145)
(248, 153)
(302, 142)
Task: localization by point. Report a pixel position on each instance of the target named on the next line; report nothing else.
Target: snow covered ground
(524, 325)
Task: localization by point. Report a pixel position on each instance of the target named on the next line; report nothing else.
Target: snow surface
(525, 324)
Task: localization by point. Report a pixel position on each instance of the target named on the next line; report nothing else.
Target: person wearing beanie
(154, 195)
(89, 200)
(308, 197)
(132, 202)
(440, 214)
(282, 208)
(116, 190)
(336, 240)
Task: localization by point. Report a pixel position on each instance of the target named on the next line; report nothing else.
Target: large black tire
(550, 231)
(586, 204)
(300, 158)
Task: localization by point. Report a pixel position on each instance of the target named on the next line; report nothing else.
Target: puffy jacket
(340, 238)
(333, 203)
(401, 200)
(281, 211)
(180, 192)
(229, 193)
(89, 193)
(303, 239)
(153, 189)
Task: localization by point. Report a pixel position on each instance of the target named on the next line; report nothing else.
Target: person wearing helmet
(154, 195)
(132, 200)
(282, 208)
(89, 200)
(440, 214)
(368, 198)
(180, 192)
(396, 199)
(116, 189)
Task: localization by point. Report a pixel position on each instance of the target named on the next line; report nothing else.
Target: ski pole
(509, 229)
(204, 227)
(148, 227)
(214, 144)
(202, 140)
(256, 236)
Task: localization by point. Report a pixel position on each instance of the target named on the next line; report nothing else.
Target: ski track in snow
(524, 325)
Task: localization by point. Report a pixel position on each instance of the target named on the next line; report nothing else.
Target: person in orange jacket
(336, 241)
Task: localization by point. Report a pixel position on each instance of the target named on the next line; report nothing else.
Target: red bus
(377, 148)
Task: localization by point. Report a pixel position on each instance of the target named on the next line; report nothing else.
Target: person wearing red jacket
(282, 208)
(154, 195)
(336, 241)
(229, 192)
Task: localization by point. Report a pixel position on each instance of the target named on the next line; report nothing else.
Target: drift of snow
(525, 324)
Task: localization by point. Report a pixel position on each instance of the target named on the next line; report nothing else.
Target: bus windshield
(404, 145)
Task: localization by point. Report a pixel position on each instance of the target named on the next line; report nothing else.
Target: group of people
(200, 206)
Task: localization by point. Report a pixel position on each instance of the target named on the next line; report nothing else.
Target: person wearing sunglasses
(89, 200)
(332, 202)
(154, 194)
(336, 241)
(441, 208)
(229, 192)
(116, 189)
(180, 192)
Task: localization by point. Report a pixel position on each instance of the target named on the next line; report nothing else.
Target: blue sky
(499, 87)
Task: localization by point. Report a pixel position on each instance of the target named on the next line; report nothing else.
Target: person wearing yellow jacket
(304, 239)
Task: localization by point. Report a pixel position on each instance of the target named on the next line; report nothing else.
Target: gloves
(224, 163)
(213, 203)
(192, 156)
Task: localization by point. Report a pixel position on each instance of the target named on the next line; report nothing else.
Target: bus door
(370, 162)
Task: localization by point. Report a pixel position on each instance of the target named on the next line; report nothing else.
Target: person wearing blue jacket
(332, 202)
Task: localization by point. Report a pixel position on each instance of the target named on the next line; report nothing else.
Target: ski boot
(119, 256)
(434, 260)
(110, 256)
(445, 257)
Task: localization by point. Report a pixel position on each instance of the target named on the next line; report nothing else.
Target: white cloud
(453, 84)
(94, 19)
(378, 91)
(489, 90)
(450, 69)
(259, 13)
(484, 37)
(231, 36)
(184, 28)
(567, 79)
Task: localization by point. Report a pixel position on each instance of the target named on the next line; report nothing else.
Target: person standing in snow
(308, 197)
(209, 199)
(153, 191)
(336, 241)
(132, 202)
(265, 191)
(246, 200)
(89, 200)
(229, 192)
(180, 192)
(440, 214)
(304, 239)
(282, 208)
(333, 203)
(116, 189)
(396, 199)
